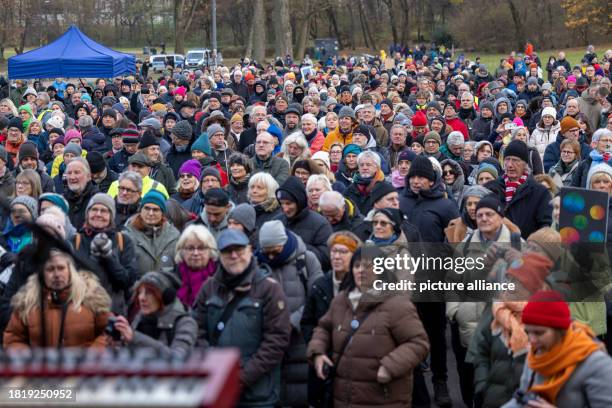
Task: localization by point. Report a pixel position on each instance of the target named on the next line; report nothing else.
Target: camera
(523, 397)
(111, 330)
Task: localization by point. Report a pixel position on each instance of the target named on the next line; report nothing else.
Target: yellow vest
(147, 184)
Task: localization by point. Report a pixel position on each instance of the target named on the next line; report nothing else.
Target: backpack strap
(225, 317)
(515, 240)
(119, 237)
(77, 241)
(300, 264)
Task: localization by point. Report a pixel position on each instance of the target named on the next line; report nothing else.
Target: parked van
(161, 61)
(198, 58)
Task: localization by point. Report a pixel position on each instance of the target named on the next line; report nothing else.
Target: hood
(294, 187)
(497, 102)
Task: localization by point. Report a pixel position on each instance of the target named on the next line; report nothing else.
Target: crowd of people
(244, 206)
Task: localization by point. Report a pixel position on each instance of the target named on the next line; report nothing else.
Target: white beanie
(309, 117)
(323, 156)
(549, 110)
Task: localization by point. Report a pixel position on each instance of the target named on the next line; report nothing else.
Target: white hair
(298, 138)
(309, 117)
(368, 154)
(436, 165)
(318, 178)
(199, 233)
(331, 199)
(266, 180)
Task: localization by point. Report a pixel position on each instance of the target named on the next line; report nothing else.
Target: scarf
(507, 324)
(193, 280)
(311, 136)
(558, 364)
(281, 259)
(380, 241)
(365, 185)
(233, 281)
(512, 186)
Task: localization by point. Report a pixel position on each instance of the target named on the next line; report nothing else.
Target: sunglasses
(448, 173)
(382, 223)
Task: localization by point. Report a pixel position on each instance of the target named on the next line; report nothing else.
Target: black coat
(580, 176)
(238, 190)
(247, 138)
(119, 161)
(429, 211)
(314, 230)
(530, 208)
(175, 159)
(481, 129)
(78, 203)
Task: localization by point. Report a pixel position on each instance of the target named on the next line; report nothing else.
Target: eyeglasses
(22, 183)
(154, 210)
(186, 176)
(381, 223)
(449, 173)
(127, 190)
(193, 249)
(567, 152)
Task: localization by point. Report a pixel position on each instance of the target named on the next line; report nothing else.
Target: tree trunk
(365, 28)
(405, 38)
(519, 30)
(302, 36)
(331, 14)
(393, 19)
(179, 45)
(282, 28)
(249, 48)
(259, 31)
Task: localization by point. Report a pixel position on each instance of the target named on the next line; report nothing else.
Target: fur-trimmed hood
(95, 297)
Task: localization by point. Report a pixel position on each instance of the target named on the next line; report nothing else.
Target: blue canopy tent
(73, 55)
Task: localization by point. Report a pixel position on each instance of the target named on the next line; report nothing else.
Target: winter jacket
(175, 159)
(7, 184)
(163, 173)
(177, 332)
(552, 154)
(390, 155)
(391, 336)
(94, 140)
(540, 138)
(314, 230)
(352, 220)
(429, 210)
(238, 190)
(458, 125)
(275, 166)
(82, 328)
(496, 372)
(119, 161)
(481, 129)
(154, 247)
(266, 211)
(296, 276)
(562, 175)
(581, 174)
(259, 328)
(78, 203)
(588, 385)
(106, 182)
(381, 136)
(116, 273)
(530, 207)
(590, 107)
(335, 136)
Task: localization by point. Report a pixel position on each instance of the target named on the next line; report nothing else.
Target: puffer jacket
(154, 248)
(238, 190)
(296, 276)
(541, 137)
(94, 140)
(392, 336)
(177, 332)
(82, 328)
(562, 175)
(259, 328)
(496, 372)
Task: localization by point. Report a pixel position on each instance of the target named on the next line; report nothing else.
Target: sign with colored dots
(583, 216)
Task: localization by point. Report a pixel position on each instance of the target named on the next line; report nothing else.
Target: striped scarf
(512, 186)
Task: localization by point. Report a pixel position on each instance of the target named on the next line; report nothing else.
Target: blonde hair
(199, 233)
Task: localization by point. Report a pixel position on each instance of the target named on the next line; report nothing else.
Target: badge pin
(354, 324)
(220, 326)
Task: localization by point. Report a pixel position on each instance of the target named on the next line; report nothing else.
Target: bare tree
(282, 28)
(259, 31)
(184, 12)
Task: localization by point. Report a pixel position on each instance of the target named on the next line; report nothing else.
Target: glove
(102, 246)
(7, 260)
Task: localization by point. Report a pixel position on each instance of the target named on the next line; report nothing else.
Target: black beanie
(517, 148)
(394, 215)
(148, 139)
(380, 190)
(96, 162)
(28, 149)
(491, 202)
(421, 166)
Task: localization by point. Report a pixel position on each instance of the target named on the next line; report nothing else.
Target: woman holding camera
(387, 339)
(566, 365)
(162, 322)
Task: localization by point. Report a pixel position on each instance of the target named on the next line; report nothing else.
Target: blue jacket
(552, 154)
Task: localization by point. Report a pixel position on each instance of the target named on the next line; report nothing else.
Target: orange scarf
(558, 364)
(507, 322)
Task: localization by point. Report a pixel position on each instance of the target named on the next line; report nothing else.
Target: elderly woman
(294, 148)
(196, 256)
(369, 370)
(313, 135)
(387, 231)
(316, 185)
(563, 171)
(262, 196)
(162, 323)
(154, 236)
(27, 183)
(189, 180)
(566, 365)
(127, 201)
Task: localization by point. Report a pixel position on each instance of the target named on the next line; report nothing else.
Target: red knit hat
(547, 308)
(419, 119)
(530, 270)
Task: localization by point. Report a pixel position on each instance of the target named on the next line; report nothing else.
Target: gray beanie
(214, 128)
(30, 203)
(105, 200)
(476, 191)
(272, 233)
(85, 121)
(73, 148)
(346, 111)
(244, 214)
(182, 130)
(455, 138)
(3, 154)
